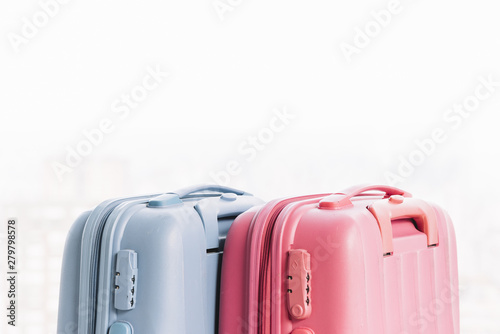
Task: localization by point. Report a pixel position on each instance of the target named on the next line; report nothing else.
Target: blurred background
(109, 99)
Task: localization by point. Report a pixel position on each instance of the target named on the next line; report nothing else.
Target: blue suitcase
(148, 264)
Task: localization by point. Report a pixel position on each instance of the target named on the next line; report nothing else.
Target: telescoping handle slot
(399, 207)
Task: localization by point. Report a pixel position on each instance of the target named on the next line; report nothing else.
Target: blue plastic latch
(121, 327)
(228, 197)
(164, 200)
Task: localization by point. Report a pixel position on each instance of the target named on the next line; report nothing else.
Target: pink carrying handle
(343, 199)
(398, 207)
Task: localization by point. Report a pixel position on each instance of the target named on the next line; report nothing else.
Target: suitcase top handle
(397, 204)
(184, 192)
(343, 199)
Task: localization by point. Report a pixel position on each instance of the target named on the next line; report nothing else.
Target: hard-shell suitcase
(149, 264)
(356, 262)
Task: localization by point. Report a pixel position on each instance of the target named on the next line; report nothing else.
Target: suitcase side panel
(422, 286)
(67, 320)
(446, 305)
(351, 279)
(346, 268)
(171, 250)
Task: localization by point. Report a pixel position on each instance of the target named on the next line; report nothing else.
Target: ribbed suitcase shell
(178, 239)
(354, 286)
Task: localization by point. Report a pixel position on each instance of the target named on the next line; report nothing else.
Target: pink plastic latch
(299, 284)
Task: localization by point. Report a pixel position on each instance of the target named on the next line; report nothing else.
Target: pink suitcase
(356, 262)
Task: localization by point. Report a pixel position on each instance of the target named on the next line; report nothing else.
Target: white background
(352, 120)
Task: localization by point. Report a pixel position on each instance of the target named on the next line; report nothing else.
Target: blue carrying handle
(184, 192)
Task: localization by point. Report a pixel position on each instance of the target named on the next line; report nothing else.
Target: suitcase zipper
(264, 302)
(89, 268)
(292, 300)
(118, 270)
(92, 277)
(265, 274)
